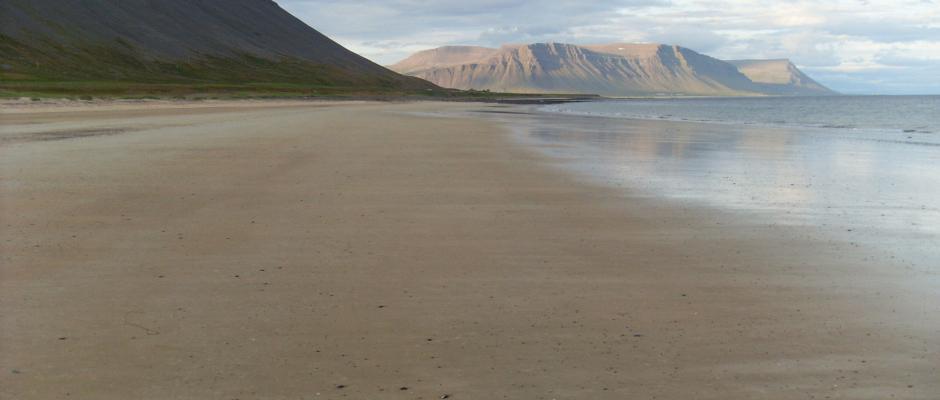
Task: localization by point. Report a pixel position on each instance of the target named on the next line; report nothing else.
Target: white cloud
(852, 45)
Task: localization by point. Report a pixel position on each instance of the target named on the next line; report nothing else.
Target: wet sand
(361, 251)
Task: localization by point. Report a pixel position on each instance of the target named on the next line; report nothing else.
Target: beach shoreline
(331, 250)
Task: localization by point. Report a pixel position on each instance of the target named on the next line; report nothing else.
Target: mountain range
(177, 41)
(620, 69)
(256, 43)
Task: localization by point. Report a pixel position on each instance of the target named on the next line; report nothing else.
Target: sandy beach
(325, 250)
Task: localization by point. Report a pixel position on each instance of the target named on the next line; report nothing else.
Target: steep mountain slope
(619, 69)
(780, 77)
(679, 70)
(176, 41)
(442, 57)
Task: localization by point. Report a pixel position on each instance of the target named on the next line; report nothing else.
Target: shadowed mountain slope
(176, 41)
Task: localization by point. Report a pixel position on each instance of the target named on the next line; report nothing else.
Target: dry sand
(357, 251)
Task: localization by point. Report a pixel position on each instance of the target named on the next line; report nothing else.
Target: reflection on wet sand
(877, 192)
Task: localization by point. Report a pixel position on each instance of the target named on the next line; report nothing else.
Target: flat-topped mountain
(443, 57)
(780, 77)
(620, 69)
(176, 41)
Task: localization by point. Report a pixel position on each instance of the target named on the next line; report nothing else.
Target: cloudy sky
(854, 46)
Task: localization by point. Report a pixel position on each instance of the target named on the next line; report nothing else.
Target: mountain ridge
(778, 76)
(444, 56)
(615, 69)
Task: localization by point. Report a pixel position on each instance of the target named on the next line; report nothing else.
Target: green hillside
(178, 47)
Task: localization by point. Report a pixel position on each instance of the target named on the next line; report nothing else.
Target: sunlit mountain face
(618, 69)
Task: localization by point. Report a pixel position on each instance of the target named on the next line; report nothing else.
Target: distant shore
(295, 249)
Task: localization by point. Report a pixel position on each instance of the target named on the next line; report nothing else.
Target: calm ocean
(898, 114)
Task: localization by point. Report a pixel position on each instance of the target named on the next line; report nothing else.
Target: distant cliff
(780, 77)
(619, 69)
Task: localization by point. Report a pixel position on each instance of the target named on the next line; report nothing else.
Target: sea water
(898, 114)
(867, 168)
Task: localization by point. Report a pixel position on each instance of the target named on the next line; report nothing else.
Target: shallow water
(872, 187)
(911, 115)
